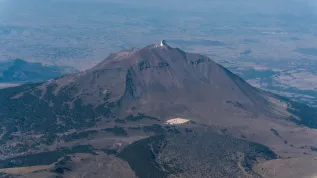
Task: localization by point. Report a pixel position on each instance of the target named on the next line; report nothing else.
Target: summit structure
(163, 43)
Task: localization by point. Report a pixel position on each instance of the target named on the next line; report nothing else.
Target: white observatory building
(163, 43)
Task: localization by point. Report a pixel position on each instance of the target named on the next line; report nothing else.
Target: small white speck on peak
(163, 43)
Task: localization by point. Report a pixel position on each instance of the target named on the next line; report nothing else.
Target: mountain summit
(142, 89)
(161, 81)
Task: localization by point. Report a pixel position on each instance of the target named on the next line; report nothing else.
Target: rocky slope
(131, 94)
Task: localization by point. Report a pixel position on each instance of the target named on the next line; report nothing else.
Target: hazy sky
(278, 35)
(83, 32)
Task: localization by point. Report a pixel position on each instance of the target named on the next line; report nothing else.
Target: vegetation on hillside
(194, 154)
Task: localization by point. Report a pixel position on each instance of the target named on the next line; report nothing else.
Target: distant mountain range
(113, 120)
(21, 71)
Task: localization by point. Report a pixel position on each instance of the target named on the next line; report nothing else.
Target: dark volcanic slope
(157, 81)
(169, 78)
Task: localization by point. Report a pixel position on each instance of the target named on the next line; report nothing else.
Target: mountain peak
(159, 82)
(19, 61)
(127, 58)
(162, 72)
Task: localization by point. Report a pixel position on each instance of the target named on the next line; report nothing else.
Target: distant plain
(271, 44)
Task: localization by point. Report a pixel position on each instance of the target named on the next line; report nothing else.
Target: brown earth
(79, 166)
(303, 167)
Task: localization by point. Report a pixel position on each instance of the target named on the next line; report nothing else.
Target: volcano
(133, 93)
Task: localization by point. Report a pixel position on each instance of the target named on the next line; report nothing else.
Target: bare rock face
(158, 82)
(166, 81)
(162, 81)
